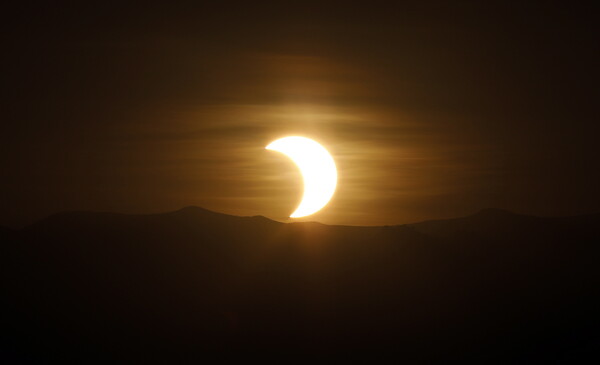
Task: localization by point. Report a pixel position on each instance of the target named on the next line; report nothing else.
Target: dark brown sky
(430, 110)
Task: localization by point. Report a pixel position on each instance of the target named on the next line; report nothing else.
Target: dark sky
(430, 110)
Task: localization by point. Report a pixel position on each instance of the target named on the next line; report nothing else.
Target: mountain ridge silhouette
(489, 219)
(193, 283)
(200, 211)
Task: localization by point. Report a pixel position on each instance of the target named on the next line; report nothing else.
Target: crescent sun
(317, 168)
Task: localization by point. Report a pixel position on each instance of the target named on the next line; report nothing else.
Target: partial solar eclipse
(317, 168)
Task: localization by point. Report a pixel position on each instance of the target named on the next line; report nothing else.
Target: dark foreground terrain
(195, 285)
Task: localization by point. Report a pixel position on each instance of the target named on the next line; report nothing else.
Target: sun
(317, 168)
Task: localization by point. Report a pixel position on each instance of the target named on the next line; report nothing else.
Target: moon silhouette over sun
(317, 168)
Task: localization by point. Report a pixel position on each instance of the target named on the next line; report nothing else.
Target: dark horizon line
(481, 212)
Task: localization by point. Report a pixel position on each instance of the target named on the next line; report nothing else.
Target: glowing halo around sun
(317, 168)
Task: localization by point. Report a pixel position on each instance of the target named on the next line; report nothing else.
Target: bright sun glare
(317, 168)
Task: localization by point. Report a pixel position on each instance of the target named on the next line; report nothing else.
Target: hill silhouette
(192, 284)
(489, 222)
